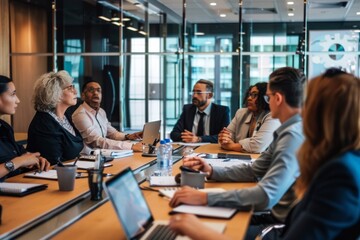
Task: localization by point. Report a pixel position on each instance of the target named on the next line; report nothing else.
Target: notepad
(163, 181)
(51, 174)
(169, 192)
(116, 153)
(20, 189)
(87, 164)
(205, 211)
(218, 162)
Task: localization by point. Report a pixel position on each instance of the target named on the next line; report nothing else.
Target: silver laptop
(151, 137)
(133, 210)
(151, 132)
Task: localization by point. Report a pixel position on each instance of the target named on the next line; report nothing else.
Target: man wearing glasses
(91, 121)
(202, 120)
(275, 171)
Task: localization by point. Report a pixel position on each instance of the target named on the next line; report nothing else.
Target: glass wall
(147, 56)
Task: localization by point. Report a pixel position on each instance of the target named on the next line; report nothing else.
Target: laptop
(133, 210)
(151, 132)
(151, 137)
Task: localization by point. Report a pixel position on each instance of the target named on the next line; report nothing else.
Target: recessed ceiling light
(223, 15)
(290, 14)
(213, 4)
(290, 3)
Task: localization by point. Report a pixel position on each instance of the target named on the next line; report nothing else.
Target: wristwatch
(10, 166)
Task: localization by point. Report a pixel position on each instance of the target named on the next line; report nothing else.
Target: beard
(199, 103)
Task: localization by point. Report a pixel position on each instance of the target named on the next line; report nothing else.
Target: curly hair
(48, 90)
(260, 102)
(331, 120)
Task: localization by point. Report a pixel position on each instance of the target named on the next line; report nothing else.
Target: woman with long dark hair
(13, 157)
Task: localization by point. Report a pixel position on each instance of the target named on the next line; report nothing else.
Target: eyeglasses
(93, 90)
(70, 88)
(198, 93)
(253, 95)
(267, 97)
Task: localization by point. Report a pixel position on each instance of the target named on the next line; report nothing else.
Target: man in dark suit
(202, 120)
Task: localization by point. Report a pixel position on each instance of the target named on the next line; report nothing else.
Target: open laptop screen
(129, 203)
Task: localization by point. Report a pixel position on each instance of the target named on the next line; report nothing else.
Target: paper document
(169, 192)
(219, 162)
(163, 181)
(206, 211)
(116, 153)
(51, 174)
(190, 144)
(87, 164)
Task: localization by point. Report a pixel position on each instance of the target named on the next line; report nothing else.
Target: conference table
(60, 215)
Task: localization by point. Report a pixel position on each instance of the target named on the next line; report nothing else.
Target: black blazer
(219, 118)
(45, 135)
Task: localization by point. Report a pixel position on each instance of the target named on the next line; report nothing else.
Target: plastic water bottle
(170, 158)
(162, 159)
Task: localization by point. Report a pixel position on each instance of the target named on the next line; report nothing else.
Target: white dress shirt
(96, 130)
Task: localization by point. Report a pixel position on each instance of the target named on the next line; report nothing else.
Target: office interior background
(148, 54)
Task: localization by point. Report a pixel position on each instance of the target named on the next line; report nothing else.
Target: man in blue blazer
(202, 120)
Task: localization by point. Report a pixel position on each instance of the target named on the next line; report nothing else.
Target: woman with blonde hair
(51, 131)
(329, 185)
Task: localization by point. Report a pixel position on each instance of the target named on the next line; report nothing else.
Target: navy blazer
(330, 208)
(219, 118)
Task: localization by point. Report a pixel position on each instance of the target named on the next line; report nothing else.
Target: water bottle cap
(162, 142)
(167, 140)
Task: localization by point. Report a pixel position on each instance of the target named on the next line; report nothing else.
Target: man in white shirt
(91, 121)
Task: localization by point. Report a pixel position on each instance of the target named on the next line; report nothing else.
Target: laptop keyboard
(161, 232)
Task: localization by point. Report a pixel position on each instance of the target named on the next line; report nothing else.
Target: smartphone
(187, 169)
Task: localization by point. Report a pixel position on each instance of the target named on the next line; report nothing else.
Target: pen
(76, 159)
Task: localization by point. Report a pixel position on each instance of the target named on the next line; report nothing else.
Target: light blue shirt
(276, 170)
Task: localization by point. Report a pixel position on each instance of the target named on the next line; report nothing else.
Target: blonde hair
(48, 90)
(331, 119)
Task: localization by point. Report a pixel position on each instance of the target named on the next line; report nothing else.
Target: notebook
(52, 175)
(87, 164)
(114, 153)
(132, 208)
(169, 192)
(20, 189)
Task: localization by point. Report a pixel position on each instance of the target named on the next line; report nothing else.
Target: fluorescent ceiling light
(142, 32)
(117, 23)
(126, 19)
(357, 30)
(222, 15)
(199, 33)
(290, 3)
(357, 13)
(213, 4)
(290, 14)
(105, 18)
(132, 28)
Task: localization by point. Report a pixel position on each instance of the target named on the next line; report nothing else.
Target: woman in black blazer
(13, 156)
(51, 131)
